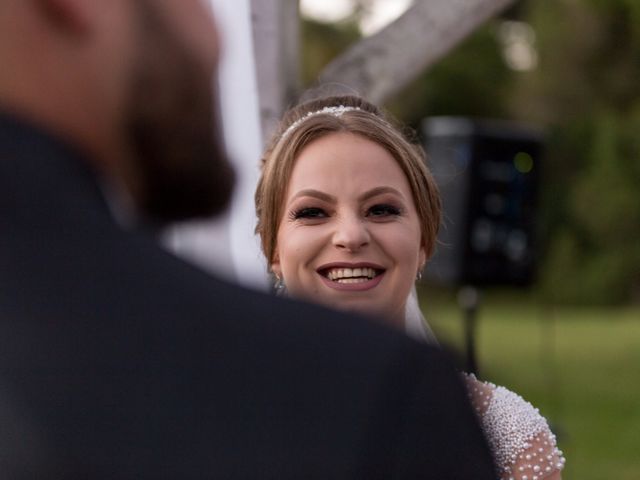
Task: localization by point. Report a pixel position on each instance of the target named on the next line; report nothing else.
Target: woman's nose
(351, 234)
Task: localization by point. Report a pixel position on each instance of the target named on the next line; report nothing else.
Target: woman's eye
(310, 213)
(383, 211)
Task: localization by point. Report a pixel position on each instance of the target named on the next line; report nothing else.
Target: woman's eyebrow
(378, 191)
(310, 192)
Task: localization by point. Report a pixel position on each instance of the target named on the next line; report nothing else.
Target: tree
(381, 65)
(586, 94)
(376, 67)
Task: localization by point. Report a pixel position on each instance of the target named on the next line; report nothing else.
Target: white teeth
(345, 275)
(352, 280)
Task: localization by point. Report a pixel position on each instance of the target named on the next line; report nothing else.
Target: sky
(384, 12)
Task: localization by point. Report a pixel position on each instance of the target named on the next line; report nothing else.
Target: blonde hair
(317, 118)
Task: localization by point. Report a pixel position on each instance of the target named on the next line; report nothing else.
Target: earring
(419, 275)
(279, 285)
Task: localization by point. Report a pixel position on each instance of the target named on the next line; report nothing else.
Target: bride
(348, 215)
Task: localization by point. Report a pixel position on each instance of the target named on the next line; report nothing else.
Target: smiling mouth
(351, 275)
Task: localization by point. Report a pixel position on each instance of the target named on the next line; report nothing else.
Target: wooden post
(276, 33)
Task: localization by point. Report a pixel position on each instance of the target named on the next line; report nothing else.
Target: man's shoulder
(286, 322)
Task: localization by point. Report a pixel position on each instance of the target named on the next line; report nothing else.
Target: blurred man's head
(131, 82)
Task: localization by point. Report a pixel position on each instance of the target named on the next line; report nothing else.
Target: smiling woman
(348, 215)
(349, 226)
(343, 189)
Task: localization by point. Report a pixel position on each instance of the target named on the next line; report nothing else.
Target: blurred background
(567, 335)
(530, 115)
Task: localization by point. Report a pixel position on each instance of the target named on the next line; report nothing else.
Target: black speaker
(488, 173)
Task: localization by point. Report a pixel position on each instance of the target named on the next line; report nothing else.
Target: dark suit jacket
(117, 360)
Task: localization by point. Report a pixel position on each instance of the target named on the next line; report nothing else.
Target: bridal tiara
(336, 111)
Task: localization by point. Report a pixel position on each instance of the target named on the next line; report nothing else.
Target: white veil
(415, 325)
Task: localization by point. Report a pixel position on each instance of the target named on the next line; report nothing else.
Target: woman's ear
(275, 266)
(422, 258)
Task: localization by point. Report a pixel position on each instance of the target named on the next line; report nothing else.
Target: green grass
(580, 366)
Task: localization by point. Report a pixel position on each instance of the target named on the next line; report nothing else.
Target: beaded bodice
(523, 446)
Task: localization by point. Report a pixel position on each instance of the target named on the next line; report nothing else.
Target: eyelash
(308, 212)
(387, 210)
(312, 213)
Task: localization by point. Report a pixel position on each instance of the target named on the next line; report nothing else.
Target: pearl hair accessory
(336, 111)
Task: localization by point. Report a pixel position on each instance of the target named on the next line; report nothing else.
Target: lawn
(580, 366)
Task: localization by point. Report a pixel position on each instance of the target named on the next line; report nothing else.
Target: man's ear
(74, 16)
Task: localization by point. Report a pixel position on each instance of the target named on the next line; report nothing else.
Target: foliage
(471, 81)
(322, 42)
(585, 92)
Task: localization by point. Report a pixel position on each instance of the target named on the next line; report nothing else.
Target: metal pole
(469, 299)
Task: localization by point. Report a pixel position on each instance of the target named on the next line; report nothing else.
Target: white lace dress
(523, 446)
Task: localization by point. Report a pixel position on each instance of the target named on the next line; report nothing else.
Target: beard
(174, 130)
